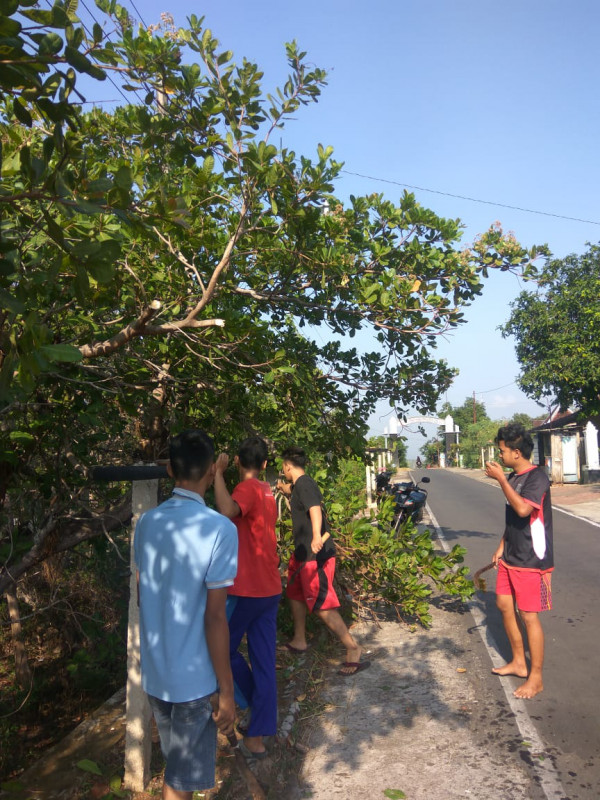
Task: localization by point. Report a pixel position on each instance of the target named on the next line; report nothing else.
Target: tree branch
(72, 533)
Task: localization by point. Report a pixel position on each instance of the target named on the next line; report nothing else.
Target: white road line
(577, 516)
(562, 509)
(541, 761)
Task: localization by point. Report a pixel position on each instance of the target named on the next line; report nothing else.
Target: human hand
(494, 470)
(222, 462)
(224, 712)
(498, 554)
(317, 543)
(284, 487)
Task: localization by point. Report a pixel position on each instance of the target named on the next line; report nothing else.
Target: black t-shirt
(305, 495)
(528, 540)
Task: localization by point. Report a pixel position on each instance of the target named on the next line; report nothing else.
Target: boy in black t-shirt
(312, 565)
(524, 558)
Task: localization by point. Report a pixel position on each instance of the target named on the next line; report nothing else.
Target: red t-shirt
(258, 562)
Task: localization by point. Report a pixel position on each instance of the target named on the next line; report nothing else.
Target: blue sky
(494, 101)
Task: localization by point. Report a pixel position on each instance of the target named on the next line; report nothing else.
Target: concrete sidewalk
(422, 722)
(416, 724)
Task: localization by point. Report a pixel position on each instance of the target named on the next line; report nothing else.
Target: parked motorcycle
(410, 501)
(382, 484)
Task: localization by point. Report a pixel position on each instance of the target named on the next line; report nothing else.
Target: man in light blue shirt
(186, 557)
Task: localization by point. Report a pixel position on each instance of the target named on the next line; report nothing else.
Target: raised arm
(518, 504)
(226, 505)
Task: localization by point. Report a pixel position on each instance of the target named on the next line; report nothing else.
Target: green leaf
(42, 16)
(61, 352)
(71, 7)
(12, 786)
(86, 207)
(10, 303)
(77, 59)
(21, 113)
(50, 44)
(394, 794)
(7, 268)
(102, 271)
(89, 766)
(208, 166)
(124, 178)
(21, 436)
(115, 786)
(9, 27)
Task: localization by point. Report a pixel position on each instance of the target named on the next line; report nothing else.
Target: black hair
(295, 456)
(191, 453)
(515, 437)
(253, 452)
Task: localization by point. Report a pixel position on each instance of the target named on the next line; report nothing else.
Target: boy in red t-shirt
(257, 588)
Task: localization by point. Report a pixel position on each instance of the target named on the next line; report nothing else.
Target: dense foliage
(557, 332)
(164, 263)
(396, 445)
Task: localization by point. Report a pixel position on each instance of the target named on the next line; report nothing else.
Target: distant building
(567, 444)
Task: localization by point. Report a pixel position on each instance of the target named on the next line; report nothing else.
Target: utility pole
(474, 410)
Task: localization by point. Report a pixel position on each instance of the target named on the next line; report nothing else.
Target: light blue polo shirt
(182, 549)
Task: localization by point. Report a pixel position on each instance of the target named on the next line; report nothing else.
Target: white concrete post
(138, 732)
(592, 454)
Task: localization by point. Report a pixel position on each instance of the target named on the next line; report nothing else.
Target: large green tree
(164, 264)
(557, 333)
(469, 413)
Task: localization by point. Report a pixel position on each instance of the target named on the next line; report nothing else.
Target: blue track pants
(257, 618)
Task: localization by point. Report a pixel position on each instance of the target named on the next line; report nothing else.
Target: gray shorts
(188, 740)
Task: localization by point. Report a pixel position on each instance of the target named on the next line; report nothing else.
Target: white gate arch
(451, 431)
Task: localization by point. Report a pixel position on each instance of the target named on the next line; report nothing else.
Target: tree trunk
(22, 670)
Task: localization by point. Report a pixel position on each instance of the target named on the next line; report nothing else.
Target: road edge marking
(541, 761)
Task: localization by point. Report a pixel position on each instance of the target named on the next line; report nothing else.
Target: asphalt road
(567, 714)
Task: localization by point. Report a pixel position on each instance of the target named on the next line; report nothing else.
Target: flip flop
(249, 754)
(357, 667)
(291, 649)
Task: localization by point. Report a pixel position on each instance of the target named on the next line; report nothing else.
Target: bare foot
(529, 689)
(512, 668)
(353, 655)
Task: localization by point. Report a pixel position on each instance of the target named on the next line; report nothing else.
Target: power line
(118, 88)
(87, 30)
(93, 102)
(472, 199)
(506, 385)
(135, 8)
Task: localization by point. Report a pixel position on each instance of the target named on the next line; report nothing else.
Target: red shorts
(311, 582)
(531, 589)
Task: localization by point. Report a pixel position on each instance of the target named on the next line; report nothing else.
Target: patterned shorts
(311, 582)
(531, 588)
